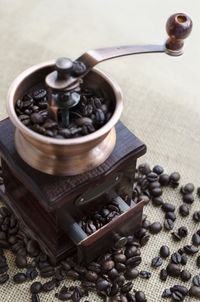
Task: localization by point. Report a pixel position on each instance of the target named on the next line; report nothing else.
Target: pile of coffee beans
(97, 219)
(89, 115)
(111, 276)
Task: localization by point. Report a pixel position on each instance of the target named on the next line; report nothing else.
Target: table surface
(161, 93)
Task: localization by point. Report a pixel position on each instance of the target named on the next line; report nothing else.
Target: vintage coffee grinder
(51, 184)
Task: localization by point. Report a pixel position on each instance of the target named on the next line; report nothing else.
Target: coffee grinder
(51, 184)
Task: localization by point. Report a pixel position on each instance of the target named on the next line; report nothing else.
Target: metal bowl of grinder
(70, 156)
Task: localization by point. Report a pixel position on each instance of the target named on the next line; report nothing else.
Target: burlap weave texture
(161, 93)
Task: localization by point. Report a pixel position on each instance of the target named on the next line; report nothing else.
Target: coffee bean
(39, 94)
(102, 284)
(19, 278)
(176, 236)
(36, 287)
(31, 273)
(194, 291)
(144, 168)
(32, 248)
(168, 207)
(158, 169)
(73, 274)
(173, 270)
(183, 260)
(168, 224)
(155, 227)
(140, 296)
(188, 198)
(196, 280)
(153, 185)
(156, 262)
(164, 251)
(190, 249)
(184, 210)
(130, 297)
(167, 293)
(196, 216)
(21, 261)
(35, 298)
(126, 287)
(113, 273)
(48, 286)
(37, 118)
(133, 261)
(144, 239)
(188, 188)
(108, 265)
(151, 177)
(131, 251)
(77, 294)
(146, 224)
(185, 275)
(91, 276)
(174, 178)
(164, 179)
(163, 274)
(157, 201)
(156, 192)
(196, 239)
(170, 215)
(198, 191)
(176, 258)
(182, 231)
(145, 275)
(64, 295)
(120, 258)
(120, 267)
(131, 273)
(4, 278)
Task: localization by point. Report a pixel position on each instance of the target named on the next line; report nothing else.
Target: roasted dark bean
(163, 274)
(185, 275)
(176, 258)
(168, 207)
(168, 224)
(145, 275)
(4, 278)
(194, 291)
(196, 280)
(182, 231)
(156, 262)
(190, 249)
(126, 287)
(170, 215)
(184, 210)
(19, 278)
(188, 188)
(173, 270)
(36, 287)
(131, 273)
(155, 227)
(140, 296)
(164, 251)
(158, 169)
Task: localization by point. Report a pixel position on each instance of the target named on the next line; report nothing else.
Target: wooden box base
(48, 206)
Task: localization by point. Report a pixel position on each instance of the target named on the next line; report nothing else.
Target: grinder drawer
(110, 235)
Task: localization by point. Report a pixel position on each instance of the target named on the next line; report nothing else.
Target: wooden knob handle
(178, 27)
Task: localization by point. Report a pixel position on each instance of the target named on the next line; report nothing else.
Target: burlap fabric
(161, 93)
